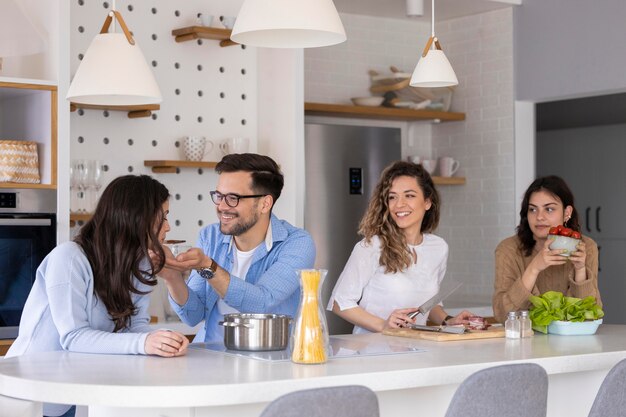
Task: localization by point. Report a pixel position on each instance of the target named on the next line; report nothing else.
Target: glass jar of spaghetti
(309, 339)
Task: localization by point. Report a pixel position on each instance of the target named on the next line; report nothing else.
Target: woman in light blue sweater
(91, 295)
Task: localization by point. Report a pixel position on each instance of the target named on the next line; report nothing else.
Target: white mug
(234, 145)
(448, 166)
(194, 147)
(205, 19)
(414, 158)
(228, 21)
(429, 165)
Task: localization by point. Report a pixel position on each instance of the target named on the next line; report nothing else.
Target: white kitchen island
(207, 383)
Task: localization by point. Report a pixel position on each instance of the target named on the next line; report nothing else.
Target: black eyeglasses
(232, 200)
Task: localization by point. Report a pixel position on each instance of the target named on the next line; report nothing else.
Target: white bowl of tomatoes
(564, 238)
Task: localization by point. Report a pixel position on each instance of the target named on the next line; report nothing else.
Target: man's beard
(242, 227)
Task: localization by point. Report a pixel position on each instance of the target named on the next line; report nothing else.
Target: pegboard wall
(207, 91)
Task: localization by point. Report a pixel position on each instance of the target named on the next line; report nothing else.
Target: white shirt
(364, 282)
(241, 265)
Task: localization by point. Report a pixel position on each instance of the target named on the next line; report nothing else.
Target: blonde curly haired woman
(399, 264)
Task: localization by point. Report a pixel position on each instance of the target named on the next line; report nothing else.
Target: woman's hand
(461, 318)
(167, 273)
(166, 343)
(400, 318)
(192, 259)
(579, 257)
(547, 257)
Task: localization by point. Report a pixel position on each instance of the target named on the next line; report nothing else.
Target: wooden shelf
(5, 344)
(75, 217)
(202, 32)
(387, 113)
(25, 185)
(169, 167)
(134, 112)
(449, 180)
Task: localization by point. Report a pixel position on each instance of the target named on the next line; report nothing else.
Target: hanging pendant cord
(432, 19)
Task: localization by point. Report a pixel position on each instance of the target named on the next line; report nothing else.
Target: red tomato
(566, 231)
(554, 231)
(576, 235)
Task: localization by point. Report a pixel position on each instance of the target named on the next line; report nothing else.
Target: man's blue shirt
(270, 286)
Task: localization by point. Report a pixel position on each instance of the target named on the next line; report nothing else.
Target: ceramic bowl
(574, 328)
(372, 101)
(564, 242)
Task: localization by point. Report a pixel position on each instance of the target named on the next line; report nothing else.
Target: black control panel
(356, 181)
(8, 200)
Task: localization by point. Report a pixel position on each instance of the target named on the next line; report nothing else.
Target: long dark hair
(116, 240)
(558, 188)
(395, 254)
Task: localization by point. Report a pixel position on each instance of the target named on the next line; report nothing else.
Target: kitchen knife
(440, 329)
(446, 288)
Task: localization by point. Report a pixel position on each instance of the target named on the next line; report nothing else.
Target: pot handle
(233, 324)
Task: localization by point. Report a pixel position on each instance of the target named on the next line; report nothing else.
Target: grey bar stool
(343, 401)
(518, 390)
(611, 397)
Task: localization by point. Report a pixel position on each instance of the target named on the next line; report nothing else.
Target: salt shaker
(526, 327)
(512, 326)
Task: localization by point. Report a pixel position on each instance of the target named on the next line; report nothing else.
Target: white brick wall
(481, 213)
(480, 47)
(337, 73)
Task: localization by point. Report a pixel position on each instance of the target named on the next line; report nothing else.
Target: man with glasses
(247, 262)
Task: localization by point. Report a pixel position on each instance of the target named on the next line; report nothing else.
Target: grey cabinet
(592, 162)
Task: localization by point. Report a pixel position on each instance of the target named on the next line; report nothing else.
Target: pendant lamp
(433, 69)
(113, 71)
(288, 24)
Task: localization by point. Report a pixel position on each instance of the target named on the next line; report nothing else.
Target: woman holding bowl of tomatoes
(525, 263)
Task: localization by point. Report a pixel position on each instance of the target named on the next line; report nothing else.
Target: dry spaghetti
(309, 342)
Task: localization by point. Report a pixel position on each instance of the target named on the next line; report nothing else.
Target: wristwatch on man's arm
(208, 273)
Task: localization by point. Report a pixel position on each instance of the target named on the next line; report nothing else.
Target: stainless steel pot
(257, 332)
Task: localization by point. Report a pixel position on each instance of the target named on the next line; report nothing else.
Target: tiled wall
(479, 214)
(337, 73)
(482, 212)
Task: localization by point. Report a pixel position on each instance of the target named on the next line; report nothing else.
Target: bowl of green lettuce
(574, 328)
(552, 312)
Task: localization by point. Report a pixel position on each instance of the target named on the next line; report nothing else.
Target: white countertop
(205, 378)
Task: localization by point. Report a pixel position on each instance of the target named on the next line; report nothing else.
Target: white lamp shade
(114, 72)
(434, 70)
(414, 7)
(288, 24)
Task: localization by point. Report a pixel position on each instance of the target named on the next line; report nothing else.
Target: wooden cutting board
(492, 332)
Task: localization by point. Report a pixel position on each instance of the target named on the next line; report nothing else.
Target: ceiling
(444, 9)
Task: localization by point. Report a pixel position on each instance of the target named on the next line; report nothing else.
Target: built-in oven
(27, 235)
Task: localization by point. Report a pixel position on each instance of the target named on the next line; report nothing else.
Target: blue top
(270, 286)
(63, 313)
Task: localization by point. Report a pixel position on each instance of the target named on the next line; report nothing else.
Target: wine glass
(77, 175)
(94, 182)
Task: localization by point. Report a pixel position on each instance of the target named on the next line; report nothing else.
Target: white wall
(479, 214)
(569, 48)
(335, 74)
(281, 121)
(222, 75)
(43, 19)
(475, 216)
